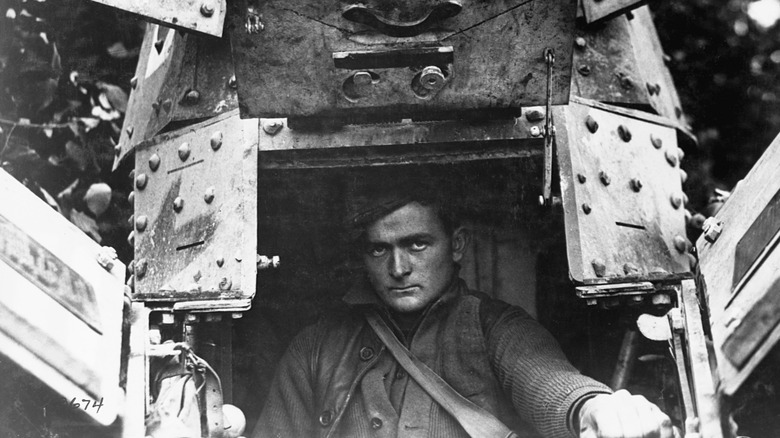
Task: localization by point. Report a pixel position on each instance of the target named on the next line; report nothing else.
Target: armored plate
(205, 16)
(622, 195)
(621, 62)
(178, 78)
(741, 269)
(602, 10)
(338, 58)
(196, 212)
(401, 143)
(60, 311)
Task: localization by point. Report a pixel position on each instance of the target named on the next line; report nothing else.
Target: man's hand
(622, 415)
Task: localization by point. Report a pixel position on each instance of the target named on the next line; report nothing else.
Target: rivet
(671, 158)
(184, 151)
(712, 229)
(272, 127)
(677, 112)
(624, 133)
(156, 106)
(131, 197)
(656, 141)
(140, 181)
(636, 184)
(191, 97)
(583, 70)
(586, 208)
(117, 149)
(178, 204)
(598, 267)
(140, 268)
(154, 162)
(131, 267)
(134, 82)
(684, 199)
(225, 284)
(216, 140)
(131, 220)
(650, 88)
(534, 131)
(534, 116)
(131, 238)
(581, 178)
(131, 174)
(580, 42)
(680, 154)
(130, 131)
(604, 177)
(206, 10)
(141, 222)
(680, 243)
(220, 261)
(232, 83)
(167, 105)
(683, 176)
(676, 201)
(625, 82)
(592, 124)
(630, 269)
(209, 195)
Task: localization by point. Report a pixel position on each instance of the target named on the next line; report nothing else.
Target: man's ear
(460, 241)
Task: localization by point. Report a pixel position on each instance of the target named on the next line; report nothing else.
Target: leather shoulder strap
(476, 421)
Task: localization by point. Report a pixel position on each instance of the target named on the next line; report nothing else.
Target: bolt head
(140, 181)
(680, 154)
(656, 141)
(232, 82)
(154, 162)
(141, 222)
(591, 124)
(599, 268)
(604, 178)
(671, 158)
(206, 9)
(117, 150)
(535, 131)
(178, 204)
(209, 195)
(272, 127)
(134, 82)
(167, 105)
(432, 78)
(683, 176)
(131, 238)
(712, 229)
(580, 42)
(676, 200)
(586, 208)
(581, 178)
(131, 198)
(184, 151)
(216, 140)
(624, 133)
(362, 78)
(534, 116)
(191, 97)
(636, 184)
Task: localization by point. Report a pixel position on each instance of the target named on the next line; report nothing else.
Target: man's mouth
(405, 289)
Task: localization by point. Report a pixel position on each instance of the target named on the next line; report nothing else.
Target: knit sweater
(337, 380)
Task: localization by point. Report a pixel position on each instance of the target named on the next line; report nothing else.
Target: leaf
(86, 224)
(98, 198)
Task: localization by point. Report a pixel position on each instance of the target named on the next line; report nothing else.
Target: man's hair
(369, 202)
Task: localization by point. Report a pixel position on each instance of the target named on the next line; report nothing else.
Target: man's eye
(419, 246)
(377, 251)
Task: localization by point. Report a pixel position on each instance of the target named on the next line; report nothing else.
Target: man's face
(410, 258)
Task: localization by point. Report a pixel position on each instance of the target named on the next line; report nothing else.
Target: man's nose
(399, 264)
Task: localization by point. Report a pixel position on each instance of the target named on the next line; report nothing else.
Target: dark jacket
(337, 380)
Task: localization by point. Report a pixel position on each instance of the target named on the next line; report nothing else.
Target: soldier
(348, 375)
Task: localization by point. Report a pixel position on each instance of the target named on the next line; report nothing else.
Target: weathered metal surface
(206, 16)
(762, 232)
(60, 310)
(400, 143)
(201, 235)
(602, 10)
(621, 62)
(330, 59)
(730, 310)
(619, 192)
(160, 59)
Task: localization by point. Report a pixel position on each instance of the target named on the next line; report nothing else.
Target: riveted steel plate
(744, 320)
(205, 16)
(622, 196)
(60, 311)
(601, 10)
(401, 143)
(196, 212)
(621, 62)
(161, 56)
(179, 77)
(300, 58)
